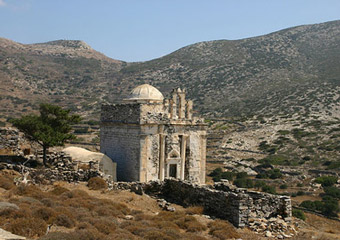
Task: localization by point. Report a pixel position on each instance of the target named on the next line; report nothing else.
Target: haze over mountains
(292, 70)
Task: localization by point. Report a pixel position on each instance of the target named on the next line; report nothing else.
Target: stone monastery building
(152, 138)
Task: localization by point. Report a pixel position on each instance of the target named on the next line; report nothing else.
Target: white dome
(145, 92)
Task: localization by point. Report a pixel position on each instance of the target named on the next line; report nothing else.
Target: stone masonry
(239, 206)
(152, 138)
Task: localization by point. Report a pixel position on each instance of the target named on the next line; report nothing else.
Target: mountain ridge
(294, 69)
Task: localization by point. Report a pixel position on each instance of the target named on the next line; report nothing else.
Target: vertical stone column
(173, 104)
(189, 109)
(143, 158)
(183, 147)
(182, 103)
(166, 108)
(161, 156)
(203, 157)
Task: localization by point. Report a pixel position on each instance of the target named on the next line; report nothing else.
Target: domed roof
(145, 92)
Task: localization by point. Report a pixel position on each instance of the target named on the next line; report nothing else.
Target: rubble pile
(277, 227)
(61, 169)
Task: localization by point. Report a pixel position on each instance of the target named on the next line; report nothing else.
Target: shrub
(259, 184)
(333, 192)
(6, 183)
(75, 194)
(64, 220)
(284, 186)
(299, 214)
(300, 193)
(241, 175)
(104, 226)
(194, 210)
(45, 213)
(269, 189)
(58, 236)
(218, 174)
(244, 183)
(28, 227)
(97, 183)
(272, 174)
(157, 235)
(222, 230)
(58, 190)
(190, 224)
(330, 208)
(326, 181)
(308, 204)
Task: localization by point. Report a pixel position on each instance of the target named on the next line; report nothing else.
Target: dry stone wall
(236, 205)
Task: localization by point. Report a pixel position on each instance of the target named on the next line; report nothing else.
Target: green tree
(51, 128)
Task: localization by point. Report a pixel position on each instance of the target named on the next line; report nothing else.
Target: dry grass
(97, 183)
(29, 227)
(222, 230)
(75, 214)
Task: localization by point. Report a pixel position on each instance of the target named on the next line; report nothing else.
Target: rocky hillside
(69, 73)
(292, 70)
(296, 69)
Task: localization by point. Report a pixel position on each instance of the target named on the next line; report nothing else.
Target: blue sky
(139, 30)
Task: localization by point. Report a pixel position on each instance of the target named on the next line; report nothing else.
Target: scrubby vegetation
(299, 214)
(97, 183)
(92, 218)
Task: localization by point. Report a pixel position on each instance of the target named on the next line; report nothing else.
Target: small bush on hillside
(241, 175)
(222, 230)
(218, 174)
(64, 220)
(28, 227)
(6, 182)
(284, 186)
(45, 213)
(97, 183)
(299, 214)
(244, 183)
(328, 206)
(259, 184)
(326, 181)
(300, 193)
(194, 210)
(269, 189)
(58, 190)
(332, 191)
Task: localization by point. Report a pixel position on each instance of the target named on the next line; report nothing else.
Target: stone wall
(12, 141)
(122, 144)
(236, 205)
(121, 113)
(50, 175)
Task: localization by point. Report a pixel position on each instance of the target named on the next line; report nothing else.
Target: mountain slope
(292, 70)
(286, 71)
(66, 72)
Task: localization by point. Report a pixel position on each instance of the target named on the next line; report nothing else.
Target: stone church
(152, 138)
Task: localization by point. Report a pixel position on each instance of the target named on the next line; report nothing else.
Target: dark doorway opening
(173, 170)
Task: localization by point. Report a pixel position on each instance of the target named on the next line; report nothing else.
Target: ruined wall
(235, 205)
(121, 143)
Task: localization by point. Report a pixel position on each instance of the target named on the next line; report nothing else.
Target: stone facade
(151, 138)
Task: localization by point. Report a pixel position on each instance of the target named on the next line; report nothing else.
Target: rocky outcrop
(5, 235)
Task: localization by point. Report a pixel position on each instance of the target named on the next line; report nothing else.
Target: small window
(173, 170)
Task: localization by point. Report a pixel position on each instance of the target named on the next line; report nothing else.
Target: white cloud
(2, 3)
